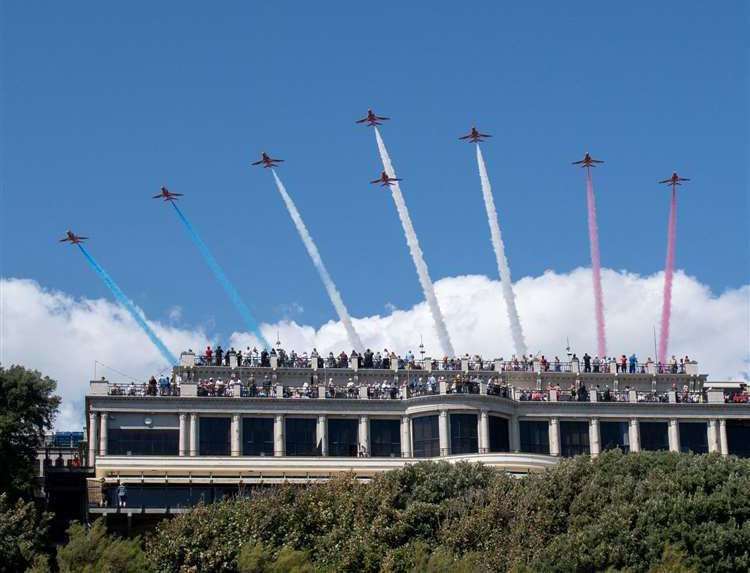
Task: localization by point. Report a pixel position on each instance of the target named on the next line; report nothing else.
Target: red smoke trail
(596, 267)
(666, 311)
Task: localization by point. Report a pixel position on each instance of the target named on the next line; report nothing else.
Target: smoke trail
(416, 251)
(666, 311)
(127, 303)
(502, 261)
(312, 250)
(596, 267)
(250, 321)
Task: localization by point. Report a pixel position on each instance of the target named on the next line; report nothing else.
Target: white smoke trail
(312, 250)
(416, 251)
(502, 261)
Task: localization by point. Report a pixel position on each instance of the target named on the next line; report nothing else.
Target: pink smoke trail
(596, 267)
(666, 311)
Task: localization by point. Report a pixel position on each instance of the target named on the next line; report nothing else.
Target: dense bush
(22, 535)
(93, 550)
(636, 512)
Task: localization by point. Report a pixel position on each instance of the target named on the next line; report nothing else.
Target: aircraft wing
(158, 196)
(257, 162)
(382, 118)
(65, 240)
(465, 136)
(361, 120)
(666, 181)
(578, 162)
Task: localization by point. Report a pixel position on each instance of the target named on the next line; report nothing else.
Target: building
(201, 439)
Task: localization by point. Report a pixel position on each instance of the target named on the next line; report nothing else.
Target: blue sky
(103, 104)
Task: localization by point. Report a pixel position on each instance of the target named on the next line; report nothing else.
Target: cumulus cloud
(62, 336)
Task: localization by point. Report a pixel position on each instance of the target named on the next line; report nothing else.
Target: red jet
(587, 161)
(72, 238)
(674, 180)
(267, 161)
(385, 181)
(372, 119)
(474, 136)
(167, 195)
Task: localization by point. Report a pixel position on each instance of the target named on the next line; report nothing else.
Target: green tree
(93, 550)
(27, 408)
(22, 534)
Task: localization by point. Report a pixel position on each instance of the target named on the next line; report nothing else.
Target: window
(385, 438)
(426, 437)
(301, 437)
(143, 442)
(693, 437)
(499, 437)
(464, 434)
(654, 436)
(534, 436)
(614, 435)
(343, 437)
(257, 437)
(574, 439)
(738, 438)
(214, 436)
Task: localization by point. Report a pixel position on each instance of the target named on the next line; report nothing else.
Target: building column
(322, 435)
(443, 433)
(514, 431)
(93, 437)
(595, 442)
(405, 437)
(194, 438)
(103, 433)
(183, 443)
(713, 437)
(363, 436)
(723, 442)
(635, 435)
(235, 430)
(554, 437)
(484, 432)
(674, 435)
(279, 445)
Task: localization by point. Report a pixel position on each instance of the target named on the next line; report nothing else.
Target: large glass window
(214, 436)
(654, 436)
(499, 436)
(342, 437)
(257, 436)
(464, 434)
(614, 435)
(301, 437)
(738, 438)
(426, 436)
(694, 437)
(385, 438)
(143, 442)
(574, 439)
(534, 436)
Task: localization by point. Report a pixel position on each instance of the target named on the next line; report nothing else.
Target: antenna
(421, 347)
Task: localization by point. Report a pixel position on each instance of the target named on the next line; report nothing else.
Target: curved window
(464, 434)
(426, 437)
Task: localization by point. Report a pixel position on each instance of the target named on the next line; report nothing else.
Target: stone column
(443, 431)
(363, 436)
(183, 443)
(723, 442)
(713, 437)
(405, 437)
(554, 437)
(484, 432)
(322, 435)
(635, 435)
(93, 437)
(103, 434)
(279, 444)
(595, 444)
(514, 432)
(194, 438)
(674, 436)
(235, 432)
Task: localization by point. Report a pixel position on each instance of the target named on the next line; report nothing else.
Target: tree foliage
(22, 534)
(93, 550)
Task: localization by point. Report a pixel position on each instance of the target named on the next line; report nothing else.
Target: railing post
(632, 396)
(427, 364)
(443, 386)
(553, 395)
(465, 365)
(362, 392)
(279, 390)
(237, 389)
(322, 391)
(483, 387)
(187, 359)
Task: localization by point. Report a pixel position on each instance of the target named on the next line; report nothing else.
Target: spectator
(632, 363)
(586, 362)
(122, 495)
(219, 355)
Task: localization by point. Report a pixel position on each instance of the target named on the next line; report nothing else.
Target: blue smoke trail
(127, 303)
(250, 321)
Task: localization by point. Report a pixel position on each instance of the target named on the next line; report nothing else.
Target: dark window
(214, 436)
(426, 437)
(385, 438)
(693, 437)
(534, 436)
(574, 438)
(257, 437)
(738, 438)
(301, 437)
(499, 437)
(143, 442)
(342, 437)
(654, 436)
(614, 435)
(464, 434)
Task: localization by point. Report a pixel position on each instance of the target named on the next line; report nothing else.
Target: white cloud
(62, 336)
(175, 313)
